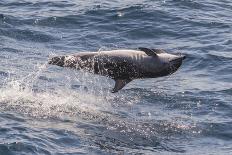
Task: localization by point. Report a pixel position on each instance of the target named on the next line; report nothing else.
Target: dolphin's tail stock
(57, 60)
(64, 61)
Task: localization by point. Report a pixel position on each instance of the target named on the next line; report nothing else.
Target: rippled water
(51, 110)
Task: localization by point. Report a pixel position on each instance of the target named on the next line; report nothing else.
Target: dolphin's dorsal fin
(158, 51)
(148, 51)
(119, 84)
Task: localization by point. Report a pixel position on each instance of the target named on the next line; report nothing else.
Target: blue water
(50, 110)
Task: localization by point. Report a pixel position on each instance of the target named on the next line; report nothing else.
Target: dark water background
(51, 110)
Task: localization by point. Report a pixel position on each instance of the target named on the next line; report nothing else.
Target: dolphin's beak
(176, 63)
(183, 57)
(178, 59)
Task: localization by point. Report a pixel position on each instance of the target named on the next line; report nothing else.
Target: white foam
(18, 94)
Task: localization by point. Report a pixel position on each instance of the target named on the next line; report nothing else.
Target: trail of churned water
(22, 95)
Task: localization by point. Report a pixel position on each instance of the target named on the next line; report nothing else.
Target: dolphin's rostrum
(123, 65)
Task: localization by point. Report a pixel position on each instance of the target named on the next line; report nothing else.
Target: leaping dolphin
(123, 65)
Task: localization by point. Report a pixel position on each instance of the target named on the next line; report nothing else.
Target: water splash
(106, 115)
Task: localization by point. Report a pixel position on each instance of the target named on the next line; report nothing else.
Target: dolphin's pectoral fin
(119, 84)
(148, 51)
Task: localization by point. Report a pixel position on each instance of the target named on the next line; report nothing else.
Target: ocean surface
(51, 110)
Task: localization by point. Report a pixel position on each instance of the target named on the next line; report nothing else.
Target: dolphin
(123, 65)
